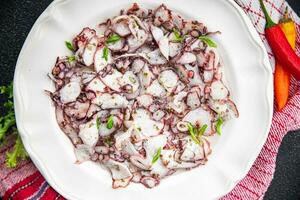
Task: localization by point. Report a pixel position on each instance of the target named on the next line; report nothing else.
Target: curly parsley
(8, 126)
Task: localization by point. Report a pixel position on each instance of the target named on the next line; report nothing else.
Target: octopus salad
(142, 94)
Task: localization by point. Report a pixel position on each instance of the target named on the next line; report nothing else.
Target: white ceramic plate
(248, 75)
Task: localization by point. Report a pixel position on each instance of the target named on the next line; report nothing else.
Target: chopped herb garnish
(69, 46)
(208, 41)
(192, 133)
(219, 125)
(156, 127)
(98, 123)
(132, 80)
(110, 122)
(71, 58)
(113, 39)
(134, 25)
(202, 130)
(178, 37)
(105, 53)
(156, 155)
(107, 140)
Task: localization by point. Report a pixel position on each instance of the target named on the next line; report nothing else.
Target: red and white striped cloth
(26, 182)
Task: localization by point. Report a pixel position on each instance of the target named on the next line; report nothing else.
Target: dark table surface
(16, 20)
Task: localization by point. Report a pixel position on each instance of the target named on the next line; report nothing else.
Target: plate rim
(42, 167)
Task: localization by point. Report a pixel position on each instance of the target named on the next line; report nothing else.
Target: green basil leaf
(156, 155)
(69, 46)
(192, 133)
(219, 125)
(208, 41)
(110, 122)
(105, 53)
(113, 39)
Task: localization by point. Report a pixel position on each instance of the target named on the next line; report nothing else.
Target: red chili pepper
(280, 46)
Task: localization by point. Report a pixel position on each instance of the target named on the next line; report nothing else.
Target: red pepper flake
(190, 74)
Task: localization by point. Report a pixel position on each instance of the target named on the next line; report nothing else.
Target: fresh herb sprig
(18, 153)
(8, 126)
(7, 90)
(196, 133)
(193, 133)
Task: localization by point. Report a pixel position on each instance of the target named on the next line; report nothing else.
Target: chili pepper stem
(285, 17)
(269, 21)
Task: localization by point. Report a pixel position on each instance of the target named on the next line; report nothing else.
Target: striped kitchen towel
(258, 179)
(26, 182)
